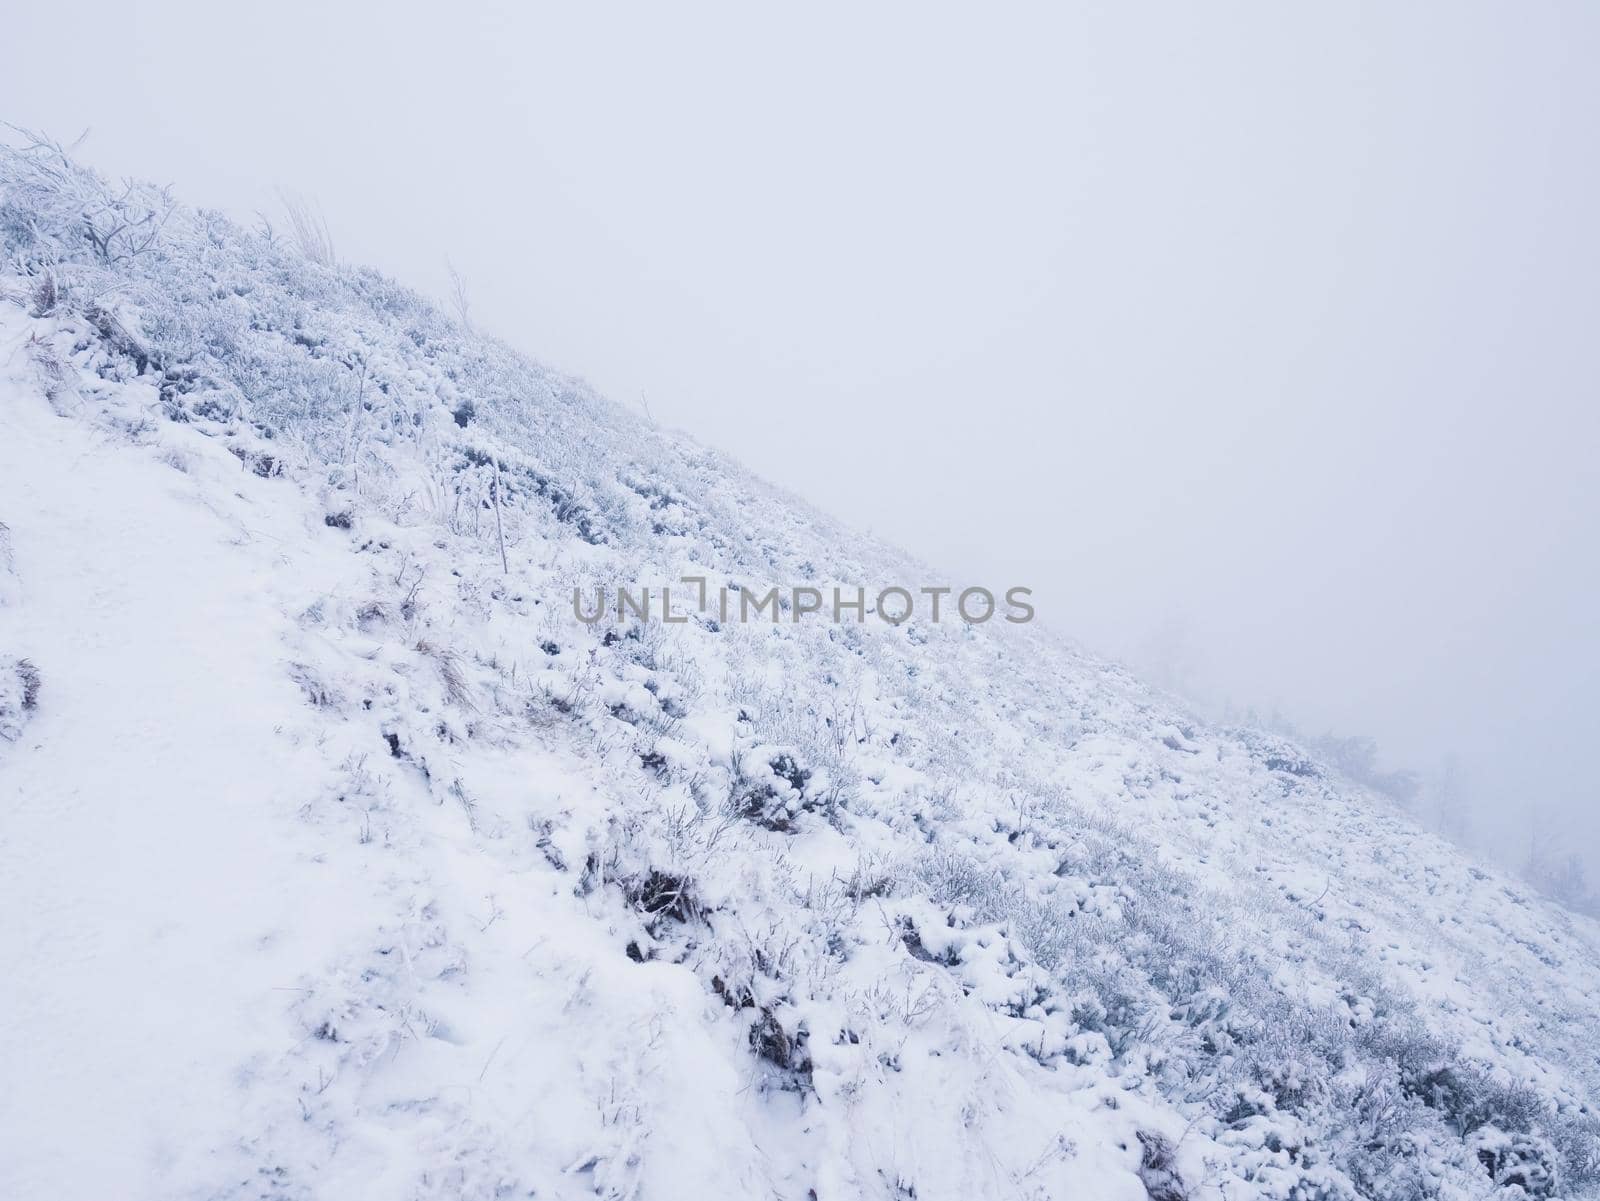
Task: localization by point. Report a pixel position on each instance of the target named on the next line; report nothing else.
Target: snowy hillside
(341, 860)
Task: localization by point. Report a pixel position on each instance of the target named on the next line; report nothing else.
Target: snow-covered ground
(340, 860)
(145, 870)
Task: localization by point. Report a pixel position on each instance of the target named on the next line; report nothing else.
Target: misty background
(1259, 340)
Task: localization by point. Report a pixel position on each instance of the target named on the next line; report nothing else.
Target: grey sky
(1263, 334)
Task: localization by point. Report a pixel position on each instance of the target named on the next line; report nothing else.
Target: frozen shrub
(19, 696)
(822, 742)
(1517, 1159)
(1289, 1076)
(783, 1049)
(1158, 1168)
(663, 896)
(771, 788)
(45, 295)
(318, 692)
(952, 877)
(911, 939)
(1467, 1097)
(452, 673)
(117, 336)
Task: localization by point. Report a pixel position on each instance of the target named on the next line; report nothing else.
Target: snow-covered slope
(340, 859)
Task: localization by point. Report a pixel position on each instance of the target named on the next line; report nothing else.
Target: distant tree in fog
(1448, 801)
(1167, 658)
(1557, 872)
(1356, 756)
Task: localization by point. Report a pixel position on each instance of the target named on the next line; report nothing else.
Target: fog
(1259, 341)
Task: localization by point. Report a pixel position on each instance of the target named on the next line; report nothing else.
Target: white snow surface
(338, 862)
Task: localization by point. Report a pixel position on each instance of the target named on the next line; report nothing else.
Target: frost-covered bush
(954, 878)
(1517, 1159)
(771, 788)
(19, 696)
